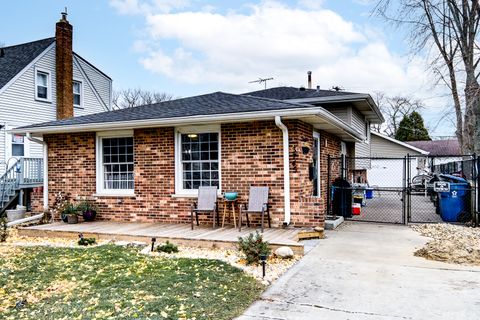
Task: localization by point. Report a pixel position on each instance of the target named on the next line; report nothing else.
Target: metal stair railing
(9, 183)
(23, 173)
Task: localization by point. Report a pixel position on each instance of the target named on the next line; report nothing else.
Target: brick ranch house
(145, 163)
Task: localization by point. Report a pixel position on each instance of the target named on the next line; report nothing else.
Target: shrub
(86, 241)
(253, 247)
(3, 229)
(167, 247)
(87, 205)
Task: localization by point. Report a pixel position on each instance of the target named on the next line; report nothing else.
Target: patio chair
(206, 203)
(257, 203)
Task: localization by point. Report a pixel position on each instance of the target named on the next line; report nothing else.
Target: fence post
(404, 191)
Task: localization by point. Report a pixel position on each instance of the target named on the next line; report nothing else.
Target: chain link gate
(398, 190)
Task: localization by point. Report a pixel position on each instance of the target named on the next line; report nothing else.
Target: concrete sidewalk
(368, 271)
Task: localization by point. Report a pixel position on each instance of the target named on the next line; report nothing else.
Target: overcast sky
(188, 47)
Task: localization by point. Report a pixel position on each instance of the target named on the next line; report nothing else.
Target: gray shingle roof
(208, 104)
(439, 147)
(17, 57)
(287, 93)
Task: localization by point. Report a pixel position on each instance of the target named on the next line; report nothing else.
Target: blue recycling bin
(454, 202)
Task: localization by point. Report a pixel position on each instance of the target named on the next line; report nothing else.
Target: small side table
(233, 204)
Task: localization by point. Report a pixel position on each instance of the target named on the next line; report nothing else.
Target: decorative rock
(284, 252)
(318, 229)
(130, 243)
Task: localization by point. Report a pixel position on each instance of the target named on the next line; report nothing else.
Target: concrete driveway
(368, 271)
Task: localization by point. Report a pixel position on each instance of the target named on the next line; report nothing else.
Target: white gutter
(286, 168)
(45, 169)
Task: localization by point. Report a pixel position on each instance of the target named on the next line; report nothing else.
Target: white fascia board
(403, 144)
(30, 65)
(169, 122)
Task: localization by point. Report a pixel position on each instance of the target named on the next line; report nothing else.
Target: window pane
(42, 92)
(118, 163)
(17, 150)
(199, 160)
(42, 79)
(76, 99)
(76, 87)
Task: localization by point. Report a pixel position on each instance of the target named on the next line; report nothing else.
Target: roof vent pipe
(318, 88)
(2, 52)
(286, 169)
(309, 77)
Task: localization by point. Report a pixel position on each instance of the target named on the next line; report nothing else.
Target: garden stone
(284, 252)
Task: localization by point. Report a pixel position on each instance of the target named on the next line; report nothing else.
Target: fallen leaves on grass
(451, 243)
(112, 282)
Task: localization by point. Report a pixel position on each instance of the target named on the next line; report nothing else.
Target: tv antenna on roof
(261, 80)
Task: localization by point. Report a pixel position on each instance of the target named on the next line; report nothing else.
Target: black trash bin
(342, 198)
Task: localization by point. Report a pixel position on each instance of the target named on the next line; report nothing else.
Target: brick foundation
(251, 155)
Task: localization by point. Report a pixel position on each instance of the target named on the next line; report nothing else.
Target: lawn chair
(257, 203)
(207, 202)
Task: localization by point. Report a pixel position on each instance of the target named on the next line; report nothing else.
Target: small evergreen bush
(86, 241)
(167, 247)
(253, 247)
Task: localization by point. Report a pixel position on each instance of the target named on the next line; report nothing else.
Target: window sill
(78, 107)
(43, 100)
(177, 195)
(115, 195)
(191, 196)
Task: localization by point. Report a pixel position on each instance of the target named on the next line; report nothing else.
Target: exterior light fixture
(263, 259)
(153, 243)
(192, 135)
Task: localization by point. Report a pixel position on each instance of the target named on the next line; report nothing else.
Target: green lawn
(111, 282)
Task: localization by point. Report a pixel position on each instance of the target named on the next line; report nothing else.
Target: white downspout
(45, 169)
(286, 168)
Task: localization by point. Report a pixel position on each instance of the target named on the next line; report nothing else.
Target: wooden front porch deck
(181, 234)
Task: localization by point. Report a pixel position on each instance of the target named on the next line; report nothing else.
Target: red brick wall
(251, 155)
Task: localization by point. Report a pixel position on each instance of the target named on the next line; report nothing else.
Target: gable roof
(16, 58)
(207, 108)
(400, 143)
(448, 147)
(363, 102)
(288, 93)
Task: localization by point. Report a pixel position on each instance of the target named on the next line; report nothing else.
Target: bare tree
(447, 30)
(129, 98)
(394, 109)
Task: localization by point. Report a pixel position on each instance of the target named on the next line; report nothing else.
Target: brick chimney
(64, 67)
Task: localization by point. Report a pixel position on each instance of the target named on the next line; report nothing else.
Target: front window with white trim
(115, 165)
(77, 93)
(198, 159)
(42, 85)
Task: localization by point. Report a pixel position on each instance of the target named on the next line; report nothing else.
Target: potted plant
(89, 210)
(70, 213)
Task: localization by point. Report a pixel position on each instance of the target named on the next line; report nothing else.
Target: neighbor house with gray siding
(28, 91)
(41, 81)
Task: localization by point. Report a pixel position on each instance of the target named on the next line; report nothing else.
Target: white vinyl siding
(340, 112)
(385, 148)
(358, 121)
(103, 85)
